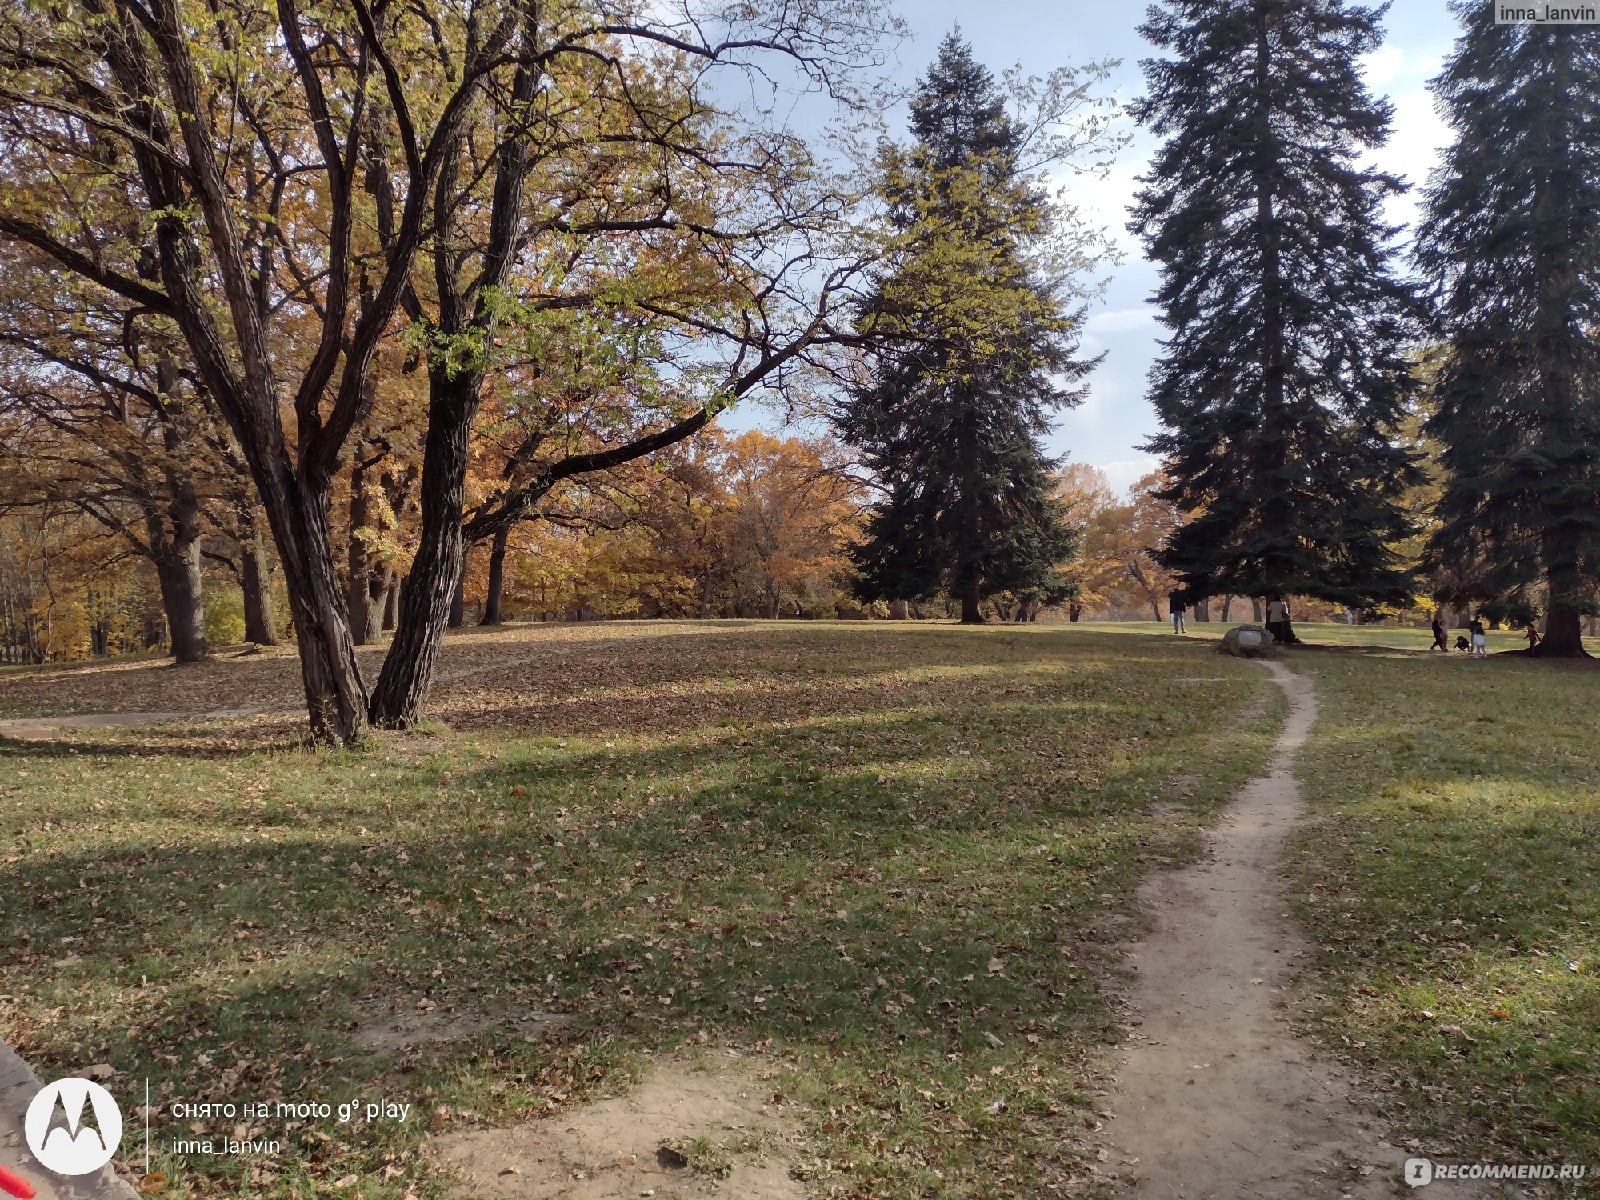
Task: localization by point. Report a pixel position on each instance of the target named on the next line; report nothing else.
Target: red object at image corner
(16, 1185)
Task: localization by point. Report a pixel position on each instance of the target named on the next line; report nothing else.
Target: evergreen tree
(1511, 238)
(1284, 373)
(970, 342)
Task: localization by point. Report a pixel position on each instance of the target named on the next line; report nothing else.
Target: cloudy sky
(1042, 34)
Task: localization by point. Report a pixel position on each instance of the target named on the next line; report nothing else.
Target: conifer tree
(1511, 238)
(972, 345)
(1283, 374)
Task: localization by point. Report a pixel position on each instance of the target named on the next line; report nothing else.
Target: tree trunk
(177, 560)
(297, 512)
(971, 603)
(1202, 609)
(366, 619)
(493, 598)
(437, 573)
(1255, 609)
(255, 580)
(391, 600)
(1563, 636)
(1074, 611)
(899, 610)
(1227, 603)
(183, 600)
(458, 601)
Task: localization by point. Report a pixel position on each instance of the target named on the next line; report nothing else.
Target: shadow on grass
(906, 898)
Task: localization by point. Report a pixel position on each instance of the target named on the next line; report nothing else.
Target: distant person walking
(1532, 635)
(1177, 606)
(1439, 642)
(1480, 638)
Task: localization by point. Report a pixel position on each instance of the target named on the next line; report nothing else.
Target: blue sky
(1108, 427)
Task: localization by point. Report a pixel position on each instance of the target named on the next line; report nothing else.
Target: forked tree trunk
(1202, 609)
(1255, 609)
(336, 697)
(495, 595)
(436, 572)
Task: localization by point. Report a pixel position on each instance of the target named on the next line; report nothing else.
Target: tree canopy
(971, 331)
(1511, 241)
(1283, 373)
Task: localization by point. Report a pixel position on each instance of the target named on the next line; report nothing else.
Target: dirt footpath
(1217, 1098)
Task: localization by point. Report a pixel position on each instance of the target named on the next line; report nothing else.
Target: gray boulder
(1248, 641)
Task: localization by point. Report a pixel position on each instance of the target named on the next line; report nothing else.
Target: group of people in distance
(1475, 641)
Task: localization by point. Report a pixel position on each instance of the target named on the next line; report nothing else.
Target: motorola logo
(73, 1127)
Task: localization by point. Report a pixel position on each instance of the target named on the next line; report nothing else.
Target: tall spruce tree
(1511, 238)
(971, 347)
(1283, 374)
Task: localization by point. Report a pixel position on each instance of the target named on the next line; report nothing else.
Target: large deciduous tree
(292, 165)
(972, 336)
(1511, 239)
(1283, 374)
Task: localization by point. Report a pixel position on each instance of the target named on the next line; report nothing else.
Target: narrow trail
(1217, 1099)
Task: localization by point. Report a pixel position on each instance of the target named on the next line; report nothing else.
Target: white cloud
(1383, 66)
(1418, 134)
(1122, 320)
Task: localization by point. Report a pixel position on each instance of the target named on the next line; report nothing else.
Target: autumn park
(701, 599)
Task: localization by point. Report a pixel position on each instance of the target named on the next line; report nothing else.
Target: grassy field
(882, 859)
(1452, 881)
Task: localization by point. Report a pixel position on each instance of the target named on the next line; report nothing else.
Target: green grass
(1452, 884)
(881, 857)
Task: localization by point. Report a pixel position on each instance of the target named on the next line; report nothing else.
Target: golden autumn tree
(311, 177)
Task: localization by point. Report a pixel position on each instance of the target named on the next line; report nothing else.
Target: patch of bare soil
(391, 1030)
(681, 1134)
(1217, 1098)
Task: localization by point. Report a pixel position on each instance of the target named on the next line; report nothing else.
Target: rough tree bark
(427, 595)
